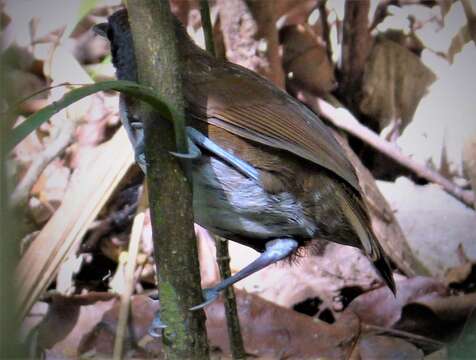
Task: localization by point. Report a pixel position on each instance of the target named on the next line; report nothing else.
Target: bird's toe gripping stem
(276, 250)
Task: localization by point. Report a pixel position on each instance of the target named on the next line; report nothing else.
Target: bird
(266, 171)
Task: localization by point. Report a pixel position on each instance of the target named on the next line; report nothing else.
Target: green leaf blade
(131, 88)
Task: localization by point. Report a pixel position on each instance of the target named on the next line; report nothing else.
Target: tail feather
(383, 268)
(355, 212)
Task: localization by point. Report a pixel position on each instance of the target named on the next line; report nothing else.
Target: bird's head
(118, 32)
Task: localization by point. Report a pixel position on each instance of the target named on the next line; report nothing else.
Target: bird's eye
(102, 30)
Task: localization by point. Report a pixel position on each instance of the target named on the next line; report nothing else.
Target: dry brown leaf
(69, 318)
(393, 83)
(379, 307)
(384, 347)
(305, 60)
(269, 331)
(462, 276)
(441, 318)
(291, 12)
(459, 40)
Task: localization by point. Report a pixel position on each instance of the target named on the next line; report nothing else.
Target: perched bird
(268, 173)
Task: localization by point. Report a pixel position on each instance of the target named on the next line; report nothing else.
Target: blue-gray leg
(157, 326)
(275, 250)
(139, 146)
(135, 132)
(242, 166)
(195, 140)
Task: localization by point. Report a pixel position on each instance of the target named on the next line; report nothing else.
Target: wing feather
(247, 105)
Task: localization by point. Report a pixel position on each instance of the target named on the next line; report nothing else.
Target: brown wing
(239, 101)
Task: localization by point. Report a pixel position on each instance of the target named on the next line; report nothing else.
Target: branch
(326, 32)
(343, 119)
(356, 45)
(175, 248)
(232, 321)
(207, 26)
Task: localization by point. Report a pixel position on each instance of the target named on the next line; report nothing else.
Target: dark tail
(355, 211)
(382, 266)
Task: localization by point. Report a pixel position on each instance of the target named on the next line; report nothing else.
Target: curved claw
(188, 156)
(210, 296)
(155, 329)
(193, 152)
(142, 162)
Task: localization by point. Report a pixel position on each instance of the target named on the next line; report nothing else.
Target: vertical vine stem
(169, 190)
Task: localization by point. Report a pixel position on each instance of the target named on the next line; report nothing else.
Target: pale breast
(233, 206)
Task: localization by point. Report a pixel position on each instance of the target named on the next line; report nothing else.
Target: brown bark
(170, 195)
(326, 31)
(251, 37)
(356, 46)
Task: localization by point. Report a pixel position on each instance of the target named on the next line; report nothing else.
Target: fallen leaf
(393, 83)
(305, 60)
(379, 307)
(69, 318)
(87, 324)
(441, 318)
(385, 347)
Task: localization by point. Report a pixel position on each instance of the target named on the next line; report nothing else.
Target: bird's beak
(101, 29)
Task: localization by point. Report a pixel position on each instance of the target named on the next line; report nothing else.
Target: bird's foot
(135, 130)
(140, 160)
(210, 295)
(276, 250)
(157, 326)
(194, 152)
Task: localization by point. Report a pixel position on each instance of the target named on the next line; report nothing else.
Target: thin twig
(343, 119)
(207, 26)
(380, 13)
(326, 32)
(231, 311)
(133, 250)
